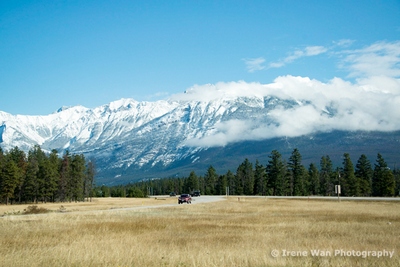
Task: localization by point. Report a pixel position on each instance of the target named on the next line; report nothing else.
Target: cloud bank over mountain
(213, 115)
(368, 101)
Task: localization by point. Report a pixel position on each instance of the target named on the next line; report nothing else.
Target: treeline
(279, 177)
(44, 177)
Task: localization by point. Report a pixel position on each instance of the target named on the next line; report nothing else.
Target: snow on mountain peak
(122, 103)
(76, 109)
(62, 109)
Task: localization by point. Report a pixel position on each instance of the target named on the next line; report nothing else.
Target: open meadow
(249, 232)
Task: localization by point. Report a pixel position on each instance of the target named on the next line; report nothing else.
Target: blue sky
(66, 53)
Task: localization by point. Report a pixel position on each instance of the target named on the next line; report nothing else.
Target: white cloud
(379, 59)
(254, 64)
(344, 42)
(370, 103)
(306, 52)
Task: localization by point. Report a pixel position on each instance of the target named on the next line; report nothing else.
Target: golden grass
(95, 204)
(227, 233)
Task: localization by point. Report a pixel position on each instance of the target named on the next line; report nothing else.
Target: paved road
(195, 200)
(333, 198)
(206, 199)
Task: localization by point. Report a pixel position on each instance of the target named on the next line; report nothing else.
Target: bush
(35, 210)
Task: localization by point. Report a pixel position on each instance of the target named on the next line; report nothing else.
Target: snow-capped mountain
(128, 133)
(134, 139)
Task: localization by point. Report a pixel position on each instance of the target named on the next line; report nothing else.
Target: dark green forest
(45, 177)
(278, 177)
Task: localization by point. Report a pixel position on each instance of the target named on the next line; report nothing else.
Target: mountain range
(130, 140)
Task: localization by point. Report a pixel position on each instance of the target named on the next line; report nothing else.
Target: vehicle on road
(184, 198)
(172, 194)
(196, 193)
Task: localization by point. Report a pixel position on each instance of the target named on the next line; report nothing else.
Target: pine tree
(259, 179)
(65, 174)
(192, 182)
(33, 185)
(89, 181)
(30, 186)
(245, 177)
(276, 174)
(296, 173)
(313, 182)
(364, 174)
(230, 178)
(383, 183)
(9, 179)
(396, 173)
(42, 174)
(19, 157)
(349, 181)
(222, 183)
(77, 176)
(326, 177)
(210, 180)
(53, 177)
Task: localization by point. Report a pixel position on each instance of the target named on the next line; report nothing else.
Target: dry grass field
(225, 233)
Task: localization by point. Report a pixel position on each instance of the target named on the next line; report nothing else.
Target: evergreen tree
(296, 173)
(64, 191)
(192, 183)
(276, 174)
(326, 177)
(313, 182)
(349, 182)
(89, 181)
(30, 186)
(396, 173)
(383, 183)
(9, 180)
(105, 191)
(34, 184)
(45, 177)
(237, 184)
(245, 177)
(364, 173)
(19, 157)
(222, 183)
(134, 191)
(77, 176)
(53, 175)
(259, 179)
(210, 180)
(201, 185)
(230, 178)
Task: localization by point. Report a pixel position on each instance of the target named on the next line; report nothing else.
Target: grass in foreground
(227, 233)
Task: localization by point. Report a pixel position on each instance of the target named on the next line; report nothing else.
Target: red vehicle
(184, 198)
